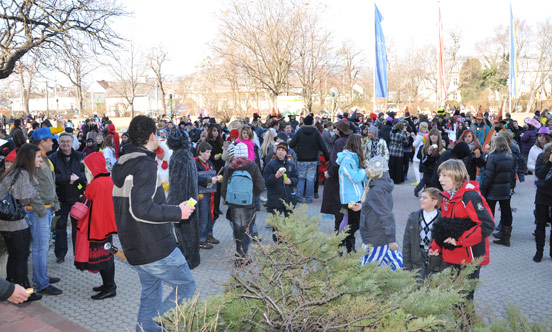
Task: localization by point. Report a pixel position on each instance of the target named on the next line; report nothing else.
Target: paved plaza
(512, 276)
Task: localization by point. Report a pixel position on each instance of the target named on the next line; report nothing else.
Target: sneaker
(211, 239)
(241, 262)
(60, 260)
(53, 280)
(205, 245)
(316, 196)
(50, 290)
(34, 297)
(262, 198)
(416, 193)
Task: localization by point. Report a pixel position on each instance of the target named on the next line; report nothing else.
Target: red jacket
(467, 203)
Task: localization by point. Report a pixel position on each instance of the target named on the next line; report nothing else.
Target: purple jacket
(528, 140)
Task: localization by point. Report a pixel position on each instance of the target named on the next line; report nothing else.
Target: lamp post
(333, 92)
(171, 99)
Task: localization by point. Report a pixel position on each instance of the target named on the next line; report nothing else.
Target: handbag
(10, 209)
(79, 210)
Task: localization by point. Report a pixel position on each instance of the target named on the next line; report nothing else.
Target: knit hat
(373, 130)
(281, 136)
(233, 133)
(308, 121)
(240, 151)
(282, 145)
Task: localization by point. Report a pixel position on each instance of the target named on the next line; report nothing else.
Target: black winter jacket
(276, 189)
(307, 143)
(63, 168)
(460, 151)
(143, 219)
(544, 190)
(498, 176)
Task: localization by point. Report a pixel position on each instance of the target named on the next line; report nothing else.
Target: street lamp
(333, 92)
(171, 99)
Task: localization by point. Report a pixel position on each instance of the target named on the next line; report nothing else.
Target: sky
(185, 27)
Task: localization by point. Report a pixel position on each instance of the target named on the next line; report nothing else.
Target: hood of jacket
(111, 127)
(384, 182)
(96, 163)
(308, 129)
(461, 150)
(133, 155)
(238, 163)
(346, 154)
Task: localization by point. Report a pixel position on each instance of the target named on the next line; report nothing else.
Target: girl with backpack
(242, 180)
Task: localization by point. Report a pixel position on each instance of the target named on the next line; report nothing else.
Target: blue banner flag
(381, 58)
(513, 57)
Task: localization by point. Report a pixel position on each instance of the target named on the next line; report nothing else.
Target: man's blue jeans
(40, 230)
(172, 270)
(307, 172)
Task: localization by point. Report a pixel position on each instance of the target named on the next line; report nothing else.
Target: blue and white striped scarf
(383, 255)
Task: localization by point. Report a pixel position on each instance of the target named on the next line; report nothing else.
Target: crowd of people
(160, 185)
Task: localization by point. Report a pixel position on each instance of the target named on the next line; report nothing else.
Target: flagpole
(375, 63)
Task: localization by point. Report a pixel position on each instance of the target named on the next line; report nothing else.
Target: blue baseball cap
(42, 133)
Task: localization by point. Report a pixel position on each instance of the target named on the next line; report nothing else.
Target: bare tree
(27, 72)
(156, 58)
(350, 65)
(536, 66)
(260, 37)
(127, 69)
(313, 54)
(75, 62)
(32, 24)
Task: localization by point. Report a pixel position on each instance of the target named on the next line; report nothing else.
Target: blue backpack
(240, 189)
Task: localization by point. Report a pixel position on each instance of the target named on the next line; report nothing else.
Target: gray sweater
(24, 191)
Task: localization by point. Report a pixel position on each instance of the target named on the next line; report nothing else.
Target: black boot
(34, 296)
(109, 291)
(538, 256)
(506, 234)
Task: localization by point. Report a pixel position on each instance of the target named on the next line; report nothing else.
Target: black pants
(354, 225)
(542, 214)
(407, 156)
(242, 220)
(505, 211)
(474, 275)
(108, 276)
(17, 244)
(61, 246)
(285, 212)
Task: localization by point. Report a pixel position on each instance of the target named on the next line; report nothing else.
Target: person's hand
(433, 252)
(186, 210)
(216, 157)
(393, 246)
(451, 241)
(287, 181)
(326, 175)
(74, 177)
(279, 173)
(214, 180)
(19, 295)
(357, 207)
(60, 121)
(430, 149)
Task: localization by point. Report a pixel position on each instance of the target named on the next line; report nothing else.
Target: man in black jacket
(307, 143)
(70, 184)
(145, 225)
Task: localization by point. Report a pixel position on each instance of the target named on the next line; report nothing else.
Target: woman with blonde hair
(462, 232)
(496, 184)
(246, 137)
(268, 144)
